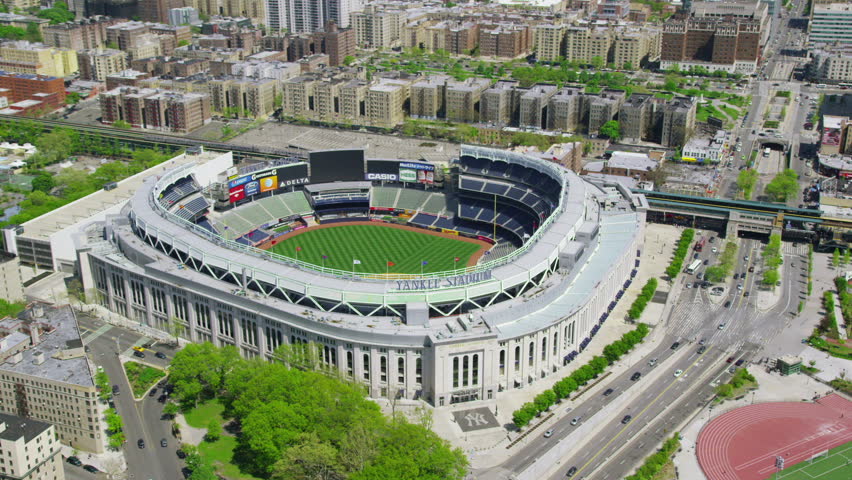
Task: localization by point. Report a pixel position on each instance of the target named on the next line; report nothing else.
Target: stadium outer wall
(450, 359)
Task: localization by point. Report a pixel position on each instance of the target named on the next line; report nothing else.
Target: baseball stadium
(447, 282)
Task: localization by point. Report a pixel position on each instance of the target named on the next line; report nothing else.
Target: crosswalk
(97, 333)
(787, 248)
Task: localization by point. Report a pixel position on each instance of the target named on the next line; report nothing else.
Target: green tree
(784, 186)
(598, 62)
(771, 277)
(122, 125)
(746, 180)
(309, 458)
(33, 34)
(43, 182)
(214, 430)
(171, 409)
(116, 441)
(57, 145)
(846, 257)
(58, 14)
(348, 59)
(611, 129)
(835, 258)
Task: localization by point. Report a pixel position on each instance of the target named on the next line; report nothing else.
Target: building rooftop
(631, 161)
(59, 345)
(15, 427)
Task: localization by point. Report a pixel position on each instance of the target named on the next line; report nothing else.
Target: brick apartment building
(155, 109)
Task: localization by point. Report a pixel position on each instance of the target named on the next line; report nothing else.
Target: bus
(821, 85)
(693, 267)
(699, 245)
(766, 151)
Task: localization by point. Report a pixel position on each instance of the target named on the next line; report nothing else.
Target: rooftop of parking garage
(43, 227)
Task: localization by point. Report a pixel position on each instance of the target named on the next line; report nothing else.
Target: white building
(307, 16)
(831, 24)
(183, 16)
(29, 450)
(705, 150)
(832, 64)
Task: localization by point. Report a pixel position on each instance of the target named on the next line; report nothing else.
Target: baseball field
(368, 247)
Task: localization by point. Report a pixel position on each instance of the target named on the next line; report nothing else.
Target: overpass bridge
(741, 217)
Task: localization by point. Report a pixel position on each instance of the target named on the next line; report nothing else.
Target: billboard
(416, 172)
(268, 180)
(337, 166)
(386, 177)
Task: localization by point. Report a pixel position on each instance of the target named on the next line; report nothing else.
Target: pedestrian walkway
(97, 333)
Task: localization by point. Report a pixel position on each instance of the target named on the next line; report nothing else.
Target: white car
(678, 372)
(714, 250)
(548, 433)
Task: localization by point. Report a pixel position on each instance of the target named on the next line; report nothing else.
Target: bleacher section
(410, 199)
(385, 197)
(436, 203)
(511, 218)
(204, 223)
(192, 209)
(525, 197)
(263, 211)
(546, 186)
(179, 190)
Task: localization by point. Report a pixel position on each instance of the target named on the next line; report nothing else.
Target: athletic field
(375, 245)
(837, 465)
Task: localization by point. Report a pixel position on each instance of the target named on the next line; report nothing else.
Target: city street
(143, 418)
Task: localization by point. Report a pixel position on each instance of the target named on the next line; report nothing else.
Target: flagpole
(494, 219)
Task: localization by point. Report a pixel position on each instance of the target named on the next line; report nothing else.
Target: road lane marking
(615, 437)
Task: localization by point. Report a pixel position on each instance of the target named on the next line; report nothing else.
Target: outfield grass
(836, 466)
(374, 246)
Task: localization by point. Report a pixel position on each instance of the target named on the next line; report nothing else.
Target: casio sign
(382, 176)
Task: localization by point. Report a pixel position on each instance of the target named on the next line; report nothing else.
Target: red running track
(742, 444)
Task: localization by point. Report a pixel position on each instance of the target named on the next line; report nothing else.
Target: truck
(694, 266)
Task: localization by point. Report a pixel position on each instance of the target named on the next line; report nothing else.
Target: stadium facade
(564, 250)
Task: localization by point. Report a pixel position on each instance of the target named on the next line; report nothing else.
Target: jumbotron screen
(337, 166)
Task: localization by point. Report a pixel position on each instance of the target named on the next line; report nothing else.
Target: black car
(162, 398)
(91, 468)
(626, 419)
(740, 362)
(571, 472)
(160, 355)
(140, 443)
(137, 353)
(728, 304)
(181, 454)
(115, 389)
(74, 461)
(702, 349)
(636, 376)
(153, 392)
(608, 392)
(675, 345)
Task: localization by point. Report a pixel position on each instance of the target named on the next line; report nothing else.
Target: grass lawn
(199, 417)
(731, 112)
(374, 246)
(220, 454)
(836, 466)
(708, 110)
(142, 377)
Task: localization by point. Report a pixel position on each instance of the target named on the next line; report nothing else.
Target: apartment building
(549, 41)
(183, 16)
(832, 64)
(99, 64)
(428, 97)
(25, 86)
(385, 101)
(377, 28)
(585, 44)
(602, 108)
(633, 48)
(612, 9)
(505, 40)
(533, 106)
(30, 450)
(308, 16)
(125, 35)
(831, 24)
(45, 375)
(37, 59)
(171, 66)
(678, 121)
(155, 109)
(353, 100)
(637, 116)
(564, 110)
(126, 78)
(499, 104)
(11, 281)
(86, 34)
(147, 45)
(724, 36)
(244, 97)
(463, 99)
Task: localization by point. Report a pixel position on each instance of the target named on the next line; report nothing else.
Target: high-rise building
(99, 64)
(11, 281)
(308, 16)
(85, 34)
(22, 86)
(155, 109)
(30, 448)
(678, 121)
(564, 110)
(45, 375)
(498, 105)
(831, 24)
(248, 97)
(533, 105)
(183, 16)
(549, 41)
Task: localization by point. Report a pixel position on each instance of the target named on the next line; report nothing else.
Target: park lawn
(708, 110)
(733, 113)
(200, 416)
(220, 454)
(836, 466)
(142, 377)
(376, 245)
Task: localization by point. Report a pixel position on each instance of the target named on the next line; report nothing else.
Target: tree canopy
(611, 130)
(784, 186)
(746, 181)
(301, 423)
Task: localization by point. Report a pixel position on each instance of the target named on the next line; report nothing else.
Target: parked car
(91, 469)
(74, 461)
(153, 392)
(139, 354)
(730, 359)
(160, 355)
(740, 362)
